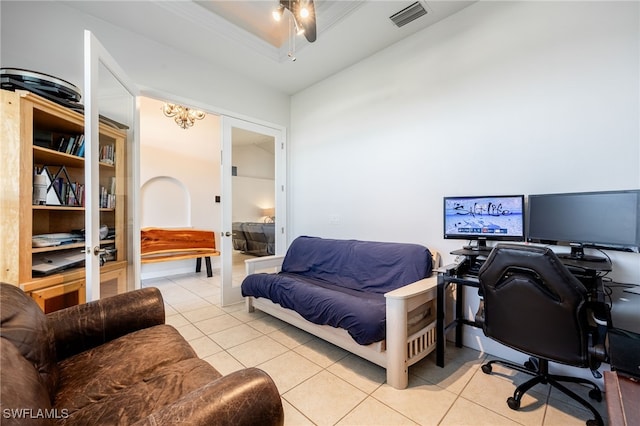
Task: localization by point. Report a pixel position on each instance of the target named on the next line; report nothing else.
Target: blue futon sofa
(350, 285)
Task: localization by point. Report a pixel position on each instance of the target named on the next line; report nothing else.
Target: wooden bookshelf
(24, 114)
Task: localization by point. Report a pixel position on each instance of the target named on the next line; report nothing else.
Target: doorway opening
(179, 178)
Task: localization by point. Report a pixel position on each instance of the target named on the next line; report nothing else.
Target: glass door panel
(110, 138)
(253, 212)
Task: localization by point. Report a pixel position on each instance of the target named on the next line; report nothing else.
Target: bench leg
(208, 262)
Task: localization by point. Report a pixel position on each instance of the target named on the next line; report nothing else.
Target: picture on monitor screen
(484, 218)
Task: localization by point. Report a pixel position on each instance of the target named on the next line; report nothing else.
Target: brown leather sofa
(115, 362)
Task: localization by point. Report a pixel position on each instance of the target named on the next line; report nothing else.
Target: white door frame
(229, 293)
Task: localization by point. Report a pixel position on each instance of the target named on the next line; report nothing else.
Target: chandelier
(183, 116)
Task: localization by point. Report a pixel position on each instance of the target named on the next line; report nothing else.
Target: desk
(622, 395)
(458, 274)
(451, 274)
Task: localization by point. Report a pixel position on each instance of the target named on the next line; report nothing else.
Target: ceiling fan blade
(309, 24)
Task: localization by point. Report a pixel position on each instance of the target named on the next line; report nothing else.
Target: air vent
(408, 14)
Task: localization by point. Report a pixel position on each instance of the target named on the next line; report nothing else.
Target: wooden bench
(163, 245)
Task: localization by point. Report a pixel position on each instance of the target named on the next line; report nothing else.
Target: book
(81, 148)
(70, 144)
(64, 142)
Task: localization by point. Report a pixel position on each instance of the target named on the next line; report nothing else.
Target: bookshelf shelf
(49, 156)
(58, 248)
(67, 247)
(68, 208)
(32, 133)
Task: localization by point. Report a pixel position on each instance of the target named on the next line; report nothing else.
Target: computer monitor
(606, 219)
(484, 218)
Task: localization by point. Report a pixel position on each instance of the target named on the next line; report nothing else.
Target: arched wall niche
(166, 203)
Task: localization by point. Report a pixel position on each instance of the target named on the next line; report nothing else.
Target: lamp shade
(269, 212)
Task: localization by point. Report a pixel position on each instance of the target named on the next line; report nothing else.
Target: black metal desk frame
(458, 274)
(452, 274)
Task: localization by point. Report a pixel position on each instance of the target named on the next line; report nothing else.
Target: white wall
(47, 36)
(501, 98)
(254, 186)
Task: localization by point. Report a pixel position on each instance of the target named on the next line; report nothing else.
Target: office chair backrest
(532, 303)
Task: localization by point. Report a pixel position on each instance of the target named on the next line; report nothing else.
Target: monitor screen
(484, 218)
(608, 219)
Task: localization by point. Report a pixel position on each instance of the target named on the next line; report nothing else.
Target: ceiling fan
(304, 16)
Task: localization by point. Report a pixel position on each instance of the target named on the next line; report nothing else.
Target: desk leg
(459, 314)
(440, 316)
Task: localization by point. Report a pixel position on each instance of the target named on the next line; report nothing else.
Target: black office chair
(533, 304)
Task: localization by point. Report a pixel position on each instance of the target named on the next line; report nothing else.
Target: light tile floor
(322, 384)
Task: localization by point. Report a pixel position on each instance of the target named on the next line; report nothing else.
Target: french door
(253, 195)
(108, 92)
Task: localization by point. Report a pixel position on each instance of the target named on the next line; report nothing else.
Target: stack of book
(60, 189)
(65, 143)
(107, 154)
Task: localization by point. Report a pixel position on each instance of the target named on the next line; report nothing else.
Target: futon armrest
(265, 262)
(410, 308)
(245, 397)
(86, 326)
(410, 314)
(417, 288)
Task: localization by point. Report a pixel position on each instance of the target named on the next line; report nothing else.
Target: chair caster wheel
(595, 394)
(513, 403)
(593, 422)
(486, 369)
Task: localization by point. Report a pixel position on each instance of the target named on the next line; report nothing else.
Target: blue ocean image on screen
(484, 216)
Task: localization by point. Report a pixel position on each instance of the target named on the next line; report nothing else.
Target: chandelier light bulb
(277, 13)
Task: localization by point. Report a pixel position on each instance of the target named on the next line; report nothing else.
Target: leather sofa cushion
(25, 326)
(154, 390)
(137, 372)
(22, 387)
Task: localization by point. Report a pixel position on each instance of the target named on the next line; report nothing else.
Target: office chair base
(539, 369)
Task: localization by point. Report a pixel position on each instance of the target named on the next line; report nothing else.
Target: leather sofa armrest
(245, 397)
(86, 326)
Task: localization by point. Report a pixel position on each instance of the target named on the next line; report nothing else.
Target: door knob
(227, 234)
(96, 250)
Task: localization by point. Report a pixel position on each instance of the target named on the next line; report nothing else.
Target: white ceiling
(242, 36)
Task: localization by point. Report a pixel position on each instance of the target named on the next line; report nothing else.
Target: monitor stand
(579, 259)
(480, 246)
(577, 253)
